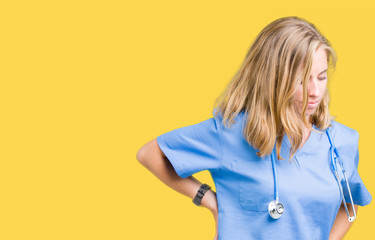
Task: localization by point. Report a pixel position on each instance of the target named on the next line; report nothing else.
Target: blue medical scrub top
(245, 185)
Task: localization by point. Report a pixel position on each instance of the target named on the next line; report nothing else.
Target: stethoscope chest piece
(275, 209)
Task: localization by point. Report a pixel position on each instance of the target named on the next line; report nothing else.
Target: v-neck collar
(305, 146)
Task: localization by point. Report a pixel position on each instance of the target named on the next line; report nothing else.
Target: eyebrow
(323, 71)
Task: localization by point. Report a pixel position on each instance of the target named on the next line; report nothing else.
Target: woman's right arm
(152, 157)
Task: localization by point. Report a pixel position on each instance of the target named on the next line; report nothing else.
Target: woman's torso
(245, 186)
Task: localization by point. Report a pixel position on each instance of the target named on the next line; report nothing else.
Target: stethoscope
(276, 209)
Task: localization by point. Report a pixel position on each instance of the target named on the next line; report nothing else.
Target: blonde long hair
(265, 85)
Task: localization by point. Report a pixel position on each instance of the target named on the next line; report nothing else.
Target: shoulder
(343, 133)
(239, 119)
(346, 141)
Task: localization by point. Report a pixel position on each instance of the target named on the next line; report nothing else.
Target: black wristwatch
(202, 190)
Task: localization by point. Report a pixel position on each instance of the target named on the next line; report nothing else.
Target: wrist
(209, 201)
(200, 194)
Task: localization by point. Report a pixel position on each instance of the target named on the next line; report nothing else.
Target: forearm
(341, 225)
(155, 161)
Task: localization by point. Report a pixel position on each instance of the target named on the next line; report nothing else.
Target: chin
(309, 113)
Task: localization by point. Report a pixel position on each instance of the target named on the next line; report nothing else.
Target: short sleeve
(193, 148)
(361, 196)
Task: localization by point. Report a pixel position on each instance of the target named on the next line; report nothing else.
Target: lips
(312, 104)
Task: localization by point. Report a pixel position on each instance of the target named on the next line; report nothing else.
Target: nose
(313, 88)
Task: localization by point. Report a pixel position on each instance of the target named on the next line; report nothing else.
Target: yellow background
(84, 84)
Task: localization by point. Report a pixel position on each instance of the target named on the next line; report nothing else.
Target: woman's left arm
(341, 225)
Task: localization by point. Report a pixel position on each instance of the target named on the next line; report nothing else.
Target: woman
(276, 107)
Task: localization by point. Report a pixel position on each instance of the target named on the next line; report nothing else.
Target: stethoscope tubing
(275, 179)
(334, 161)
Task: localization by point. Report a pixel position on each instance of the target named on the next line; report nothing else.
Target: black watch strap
(202, 190)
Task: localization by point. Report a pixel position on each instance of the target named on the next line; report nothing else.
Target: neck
(306, 135)
(307, 130)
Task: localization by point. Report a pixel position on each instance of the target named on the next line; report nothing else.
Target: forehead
(319, 63)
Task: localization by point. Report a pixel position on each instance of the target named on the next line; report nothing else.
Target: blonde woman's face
(317, 84)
